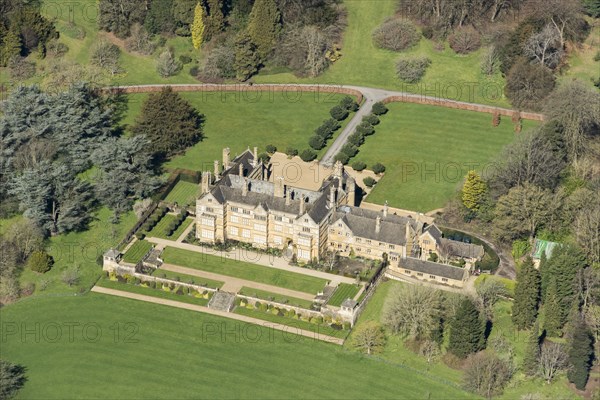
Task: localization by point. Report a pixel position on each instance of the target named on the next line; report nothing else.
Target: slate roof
(432, 268)
(246, 159)
(362, 222)
(434, 231)
(461, 249)
(112, 253)
(349, 303)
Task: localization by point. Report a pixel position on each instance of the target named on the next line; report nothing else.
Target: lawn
(262, 294)
(79, 250)
(138, 250)
(160, 230)
(184, 194)
(159, 293)
(343, 292)
(428, 150)
(242, 121)
(161, 273)
(243, 270)
(152, 351)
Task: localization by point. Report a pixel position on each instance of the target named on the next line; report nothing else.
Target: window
(278, 218)
(407, 272)
(234, 209)
(359, 249)
(431, 276)
(260, 227)
(339, 225)
(303, 241)
(207, 221)
(358, 240)
(419, 274)
(235, 218)
(392, 246)
(304, 254)
(339, 245)
(368, 241)
(278, 228)
(247, 212)
(368, 251)
(210, 200)
(277, 240)
(246, 233)
(209, 209)
(332, 230)
(260, 218)
(381, 244)
(425, 242)
(245, 221)
(347, 234)
(394, 258)
(444, 279)
(305, 219)
(206, 234)
(260, 239)
(233, 230)
(305, 229)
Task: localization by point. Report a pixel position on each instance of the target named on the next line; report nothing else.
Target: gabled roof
(461, 249)
(432, 268)
(349, 303)
(112, 253)
(434, 231)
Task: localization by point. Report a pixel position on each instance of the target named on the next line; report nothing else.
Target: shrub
(372, 119)
(342, 157)
(349, 149)
(349, 104)
(597, 56)
(264, 157)
(271, 149)
(379, 108)
(185, 59)
(528, 84)
(412, 69)
(356, 138)
(378, 168)
(153, 284)
(140, 235)
(20, 69)
(308, 155)
(331, 124)
(396, 35)
(290, 151)
(40, 261)
(257, 305)
(339, 113)
(464, 41)
(369, 182)
(365, 128)
(359, 165)
(166, 65)
(324, 132)
(194, 71)
(316, 142)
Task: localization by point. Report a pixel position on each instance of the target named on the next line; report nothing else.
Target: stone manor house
(308, 209)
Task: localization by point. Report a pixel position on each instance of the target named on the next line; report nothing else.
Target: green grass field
(428, 151)
(160, 229)
(239, 121)
(243, 270)
(152, 351)
(188, 278)
(343, 292)
(138, 250)
(159, 293)
(184, 194)
(262, 294)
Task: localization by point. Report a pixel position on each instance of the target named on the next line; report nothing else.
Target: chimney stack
(206, 178)
(378, 224)
(279, 187)
(331, 196)
(216, 169)
(385, 209)
(255, 158)
(338, 169)
(302, 204)
(241, 170)
(245, 187)
(351, 189)
(226, 154)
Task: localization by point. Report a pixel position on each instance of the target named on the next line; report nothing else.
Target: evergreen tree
(247, 60)
(216, 20)
(170, 123)
(466, 330)
(473, 191)
(198, 27)
(532, 351)
(264, 25)
(11, 47)
(527, 295)
(160, 17)
(580, 356)
(552, 318)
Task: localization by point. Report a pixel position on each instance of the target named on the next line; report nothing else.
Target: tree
(379, 108)
(592, 320)
(167, 65)
(70, 276)
(552, 360)
(473, 191)
(369, 182)
(489, 292)
(40, 262)
(576, 108)
(544, 48)
(413, 310)
(565, 16)
(118, 16)
(528, 84)
(466, 330)
(169, 122)
(369, 338)
(522, 211)
(580, 355)
(358, 166)
(218, 65)
(338, 113)
(198, 27)
(11, 47)
(396, 34)
(316, 142)
(106, 55)
(247, 59)
(430, 350)
(532, 352)
(216, 20)
(264, 26)
(552, 312)
(308, 155)
(464, 41)
(12, 379)
(412, 69)
(587, 230)
(486, 374)
(527, 295)
(592, 7)
(26, 238)
(378, 168)
(139, 40)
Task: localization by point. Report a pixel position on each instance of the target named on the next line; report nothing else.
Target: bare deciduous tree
(489, 292)
(106, 55)
(552, 360)
(592, 319)
(544, 47)
(139, 41)
(430, 350)
(369, 337)
(412, 310)
(587, 230)
(486, 374)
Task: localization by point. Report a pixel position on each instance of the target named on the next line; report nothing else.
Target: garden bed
(209, 283)
(278, 298)
(343, 292)
(137, 251)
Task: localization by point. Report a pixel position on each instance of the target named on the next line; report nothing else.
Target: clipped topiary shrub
(271, 149)
(339, 113)
(369, 182)
(356, 139)
(412, 69)
(40, 261)
(308, 155)
(349, 149)
(378, 168)
(349, 104)
(396, 34)
(316, 142)
(342, 157)
(365, 128)
(290, 151)
(358, 165)
(331, 124)
(379, 108)
(372, 119)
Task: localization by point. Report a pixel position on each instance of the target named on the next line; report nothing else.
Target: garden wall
(398, 211)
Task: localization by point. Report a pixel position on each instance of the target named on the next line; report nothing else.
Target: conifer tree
(473, 191)
(11, 47)
(466, 330)
(527, 295)
(532, 351)
(552, 324)
(215, 21)
(580, 356)
(264, 25)
(247, 60)
(198, 27)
